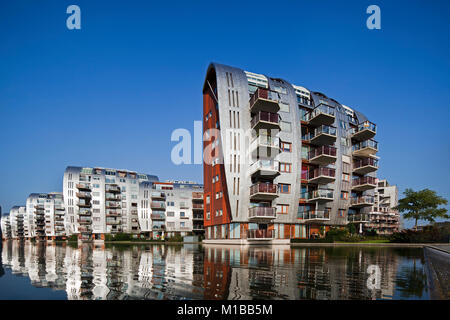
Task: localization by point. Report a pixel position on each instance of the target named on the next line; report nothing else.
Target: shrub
(431, 234)
(73, 237)
(176, 238)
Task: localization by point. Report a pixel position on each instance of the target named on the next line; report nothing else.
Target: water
(62, 271)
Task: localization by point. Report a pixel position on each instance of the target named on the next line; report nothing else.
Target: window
(342, 213)
(285, 126)
(285, 167)
(284, 188)
(344, 195)
(286, 146)
(346, 177)
(170, 213)
(282, 208)
(305, 150)
(182, 214)
(343, 125)
(344, 142)
(207, 200)
(345, 167)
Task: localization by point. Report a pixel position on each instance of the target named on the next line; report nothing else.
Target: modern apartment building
(45, 216)
(16, 216)
(101, 201)
(383, 218)
(5, 224)
(281, 161)
(171, 208)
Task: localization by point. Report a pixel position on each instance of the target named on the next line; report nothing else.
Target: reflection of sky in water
(210, 272)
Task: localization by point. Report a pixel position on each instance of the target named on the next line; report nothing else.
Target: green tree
(422, 205)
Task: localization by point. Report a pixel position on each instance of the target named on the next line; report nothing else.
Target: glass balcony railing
(158, 195)
(362, 200)
(262, 187)
(265, 165)
(365, 144)
(363, 181)
(321, 193)
(262, 212)
(318, 172)
(266, 141)
(367, 125)
(359, 217)
(264, 116)
(157, 205)
(266, 94)
(322, 151)
(158, 216)
(315, 215)
(365, 162)
(320, 109)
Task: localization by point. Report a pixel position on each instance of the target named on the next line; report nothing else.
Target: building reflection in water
(217, 272)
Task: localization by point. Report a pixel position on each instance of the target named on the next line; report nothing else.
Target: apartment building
(5, 225)
(16, 216)
(383, 218)
(281, 161)
(171, 208)
(101, 201)
(44, 218)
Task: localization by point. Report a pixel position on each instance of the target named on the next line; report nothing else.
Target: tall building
(102, 201)
(44, 218)
(383, 218)
(171, 208)
(281, 161)
(16, 216)
(5, 224)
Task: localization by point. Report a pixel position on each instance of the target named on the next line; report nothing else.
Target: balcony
(158, 227)
(364, 183)
(364, 131)
(112, 205)
(323, 135)
(158, 216)
(262, 213)
(39, 207)
(198, 196)
(112, 197)
(197, 217)
(265, 168)
(158, 205)
(83, 195)
(365, 166)
(59, 208)
(365, 148)
(362, 201)
(85, 229)
(323, 155)
(322, 114)
(113, 222)
(197, 206)
(265, 120)
(321, 195)
(84, 204)
(84, 221)
(359, 217)
(264, 100)
(84, 213)
(322, 175)
(198, 228)
(263, 191)
(84, 186)
(265, 146)
(312, 216)
(260, 234)
(113, 214)
(112, 188)
(158, 195)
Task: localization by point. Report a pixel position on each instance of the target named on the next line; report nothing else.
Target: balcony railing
(323, 135)
(197, 195)
(364, 131)
(322, 155)
(112, 197)
(265, 146)
(157, 205)
(322, 114)
(265, 168)
(197, 206)
(83, 186)
(265, 119)
(264, 188)
(362, 201)
(260, 234)
(262, 212)
(156, 216)
(321, 194)
(365, 148)
(365, 165)
(112, 188)
(322, 175)
(315, 215)
(112, 205)
(83, 195)
(158, 195)
(364, 183)
(265, 100)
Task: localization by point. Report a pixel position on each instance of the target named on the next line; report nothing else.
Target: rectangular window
(286, 146)
(342, 213)
(284, 188)
(285, 167)
(282, 208)
(344, 195)
(345, 177)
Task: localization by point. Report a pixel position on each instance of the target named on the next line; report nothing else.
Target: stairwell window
(286, 146)
(282, 209)
(284, 188)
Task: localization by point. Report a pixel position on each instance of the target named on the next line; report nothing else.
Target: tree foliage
(422, 205)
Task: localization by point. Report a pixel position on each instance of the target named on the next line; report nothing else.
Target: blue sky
(111, 93)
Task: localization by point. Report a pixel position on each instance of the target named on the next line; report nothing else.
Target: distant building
(16, 216)
(6, 226)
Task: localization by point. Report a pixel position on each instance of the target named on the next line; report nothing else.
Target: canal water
(153, 271)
